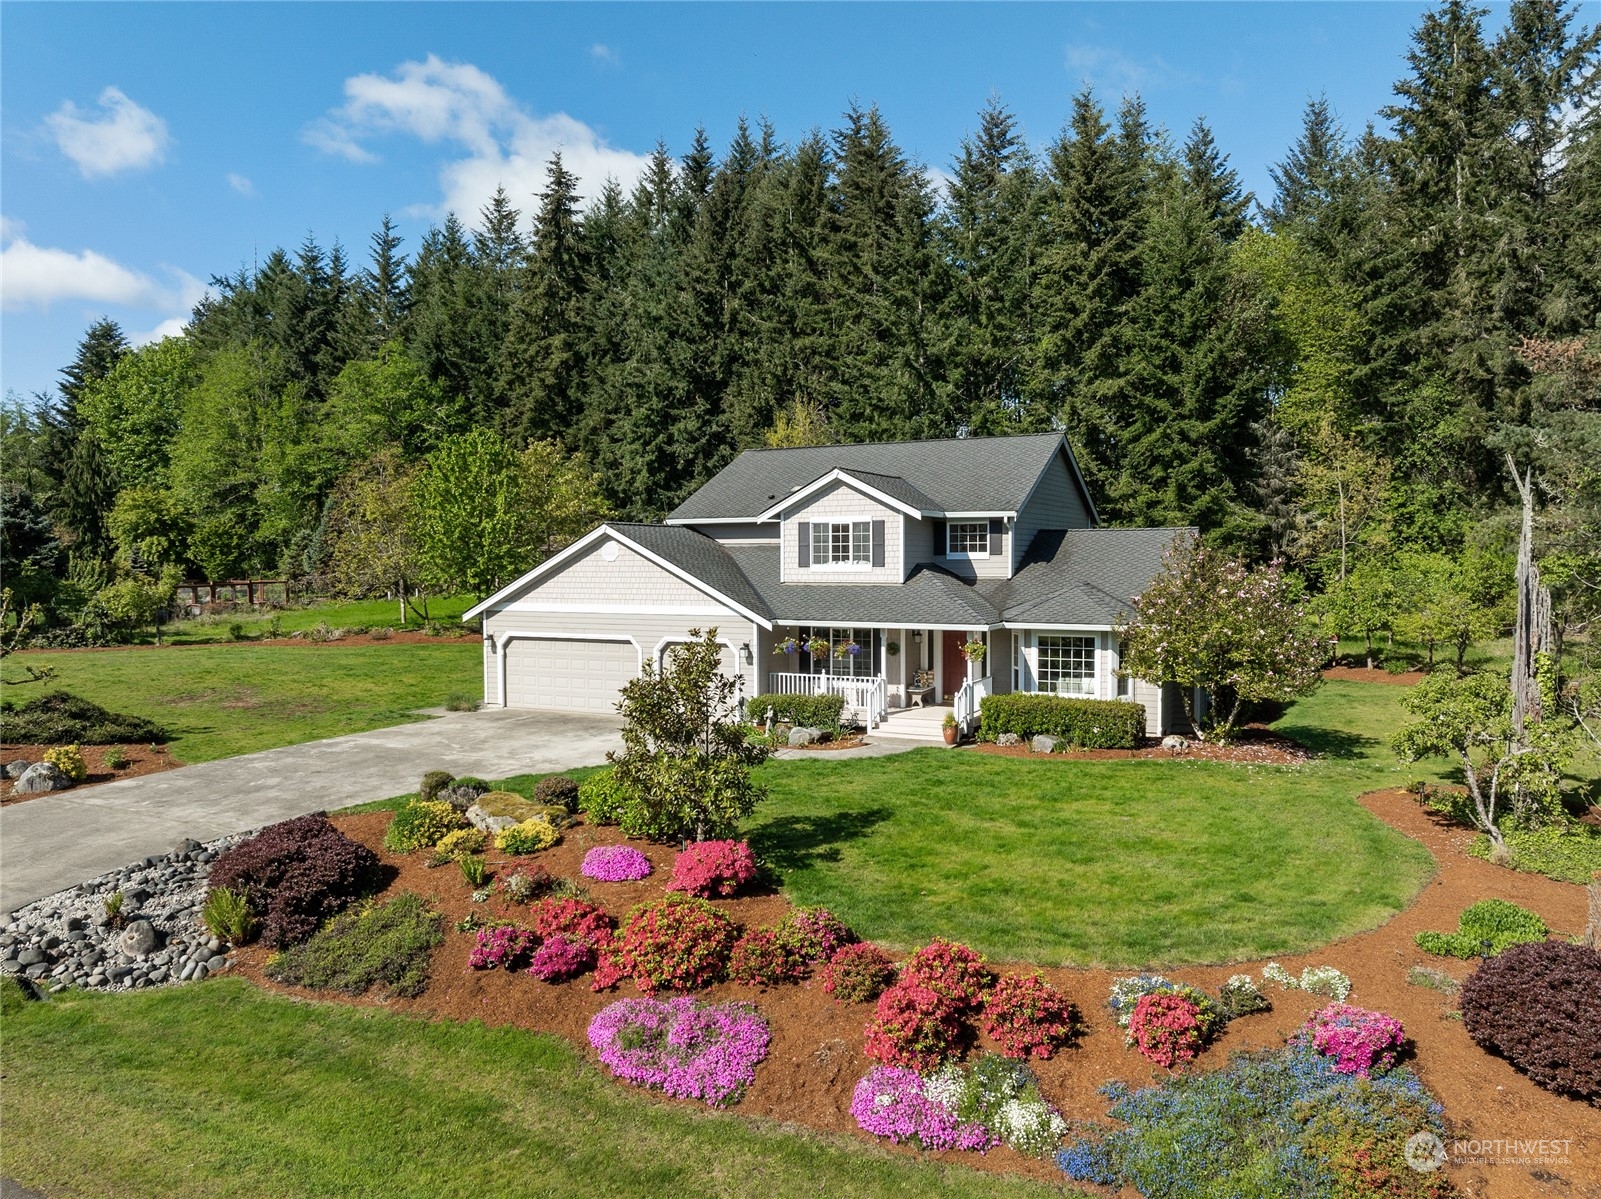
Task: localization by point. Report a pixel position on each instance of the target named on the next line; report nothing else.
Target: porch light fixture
(744, 651)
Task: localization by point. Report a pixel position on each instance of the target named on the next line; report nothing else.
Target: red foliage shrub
(762, 958)
(951, 970)
(575, 919)
(814, 934)
(295, 875)
(710, 868)
(1028, 1017)
(1166, 1028)
(1539, 1007)
(858, 973)
(677, 942)
(912, 1026)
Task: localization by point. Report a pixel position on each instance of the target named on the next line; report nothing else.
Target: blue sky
(146, 147)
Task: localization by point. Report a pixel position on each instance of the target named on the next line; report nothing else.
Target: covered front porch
(893, 677)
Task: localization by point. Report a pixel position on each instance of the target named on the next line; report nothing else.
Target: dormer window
(842, 543)
(967, 539)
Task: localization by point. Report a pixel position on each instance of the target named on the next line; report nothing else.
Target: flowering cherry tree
(1208, 622)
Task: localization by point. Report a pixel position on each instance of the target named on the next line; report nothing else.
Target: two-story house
(861, 569)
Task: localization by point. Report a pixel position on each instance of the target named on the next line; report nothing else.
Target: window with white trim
(1067, 665)
(840, 661)
(842, 543)
(967, 539)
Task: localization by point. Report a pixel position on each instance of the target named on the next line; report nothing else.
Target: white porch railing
(968, 702)
(866, 699)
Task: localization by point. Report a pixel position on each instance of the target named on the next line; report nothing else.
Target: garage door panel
(570, 675)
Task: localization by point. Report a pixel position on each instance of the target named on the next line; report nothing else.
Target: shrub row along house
(913, 578)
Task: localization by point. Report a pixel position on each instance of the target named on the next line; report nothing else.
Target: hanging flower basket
(974, 651)
(787, 646)
(817, 647)
(847, 649)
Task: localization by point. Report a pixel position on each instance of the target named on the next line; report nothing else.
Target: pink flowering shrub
(1028, 1017)
(1360, 1042)
(676, 943)
(913, 1026)
(1166, 1029)
(762, 958)
(561, 958)
(615, 864)
(815, 934)
(951, 970)
(709, 868)
(890, 1102)
(858, 973)
(682, 1048)
(576, 919)
(502, 945)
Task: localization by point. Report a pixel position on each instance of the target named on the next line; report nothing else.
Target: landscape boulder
(1008, 739)
(16, 769)
(801, 735)
(138, 939)
(39, 778)
(1043, 744)
(1175, 743)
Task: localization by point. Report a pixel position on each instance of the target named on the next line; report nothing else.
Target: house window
(840, 662)
(842, 543)
(1067, 665)
(967, 539)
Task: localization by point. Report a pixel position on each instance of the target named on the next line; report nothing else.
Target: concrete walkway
(58, 840)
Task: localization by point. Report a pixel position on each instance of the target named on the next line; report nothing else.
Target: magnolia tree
(1469, 719)
(686, 760)
(1210, 623)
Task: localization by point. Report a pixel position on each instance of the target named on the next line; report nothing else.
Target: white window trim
(966, 555)
(1095, 666)
(845, 567)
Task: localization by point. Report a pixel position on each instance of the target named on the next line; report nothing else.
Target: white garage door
(574, 676)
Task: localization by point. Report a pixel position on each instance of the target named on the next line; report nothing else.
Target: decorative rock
(138, 938)
(17, 768)
(187, 972)
(1043, 744)
(1008, 739)
(1175, 743)
(801, 735)
(32, 956)
(478, 818)
(201, 971)
(187, 846)
(216, 962)
(58, 988)
(40, 778)
(159, 974)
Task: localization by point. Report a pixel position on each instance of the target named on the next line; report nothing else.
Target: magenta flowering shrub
(691, 1050)
(891, 1102)
(1167, 1029)
(561, 958)
(501, 945)
(1360, 1042)
(615, 864)
(815, 934)
(708, 868)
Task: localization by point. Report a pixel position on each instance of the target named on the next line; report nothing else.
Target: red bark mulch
(816, 1055)
(141, 759)
(1376, 674)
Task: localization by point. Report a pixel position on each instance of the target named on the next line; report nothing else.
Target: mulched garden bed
(816, 1054)
(1256, 747)
(141, 760)
(1375, 674)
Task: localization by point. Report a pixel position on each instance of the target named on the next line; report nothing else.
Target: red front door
(955, 663)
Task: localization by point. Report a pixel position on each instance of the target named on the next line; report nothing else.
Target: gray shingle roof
(970, 474)
(1083, 576)
(930, 596)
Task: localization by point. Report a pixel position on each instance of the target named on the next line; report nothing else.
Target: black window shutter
(997, 532)
(804, 530)
(878, 543)
(939, 538)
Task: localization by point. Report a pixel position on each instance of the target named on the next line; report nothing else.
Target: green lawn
(337, 614)
(1111, 863)
(220, 1090)
(221, 700)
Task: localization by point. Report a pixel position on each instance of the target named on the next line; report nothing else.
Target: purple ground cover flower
(890, 1102)
(685, 1048)
(615, 864)
(561, 958)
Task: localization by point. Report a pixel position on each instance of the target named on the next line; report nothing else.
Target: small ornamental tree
(686, 762)
(1469, 719)
(1208, 622)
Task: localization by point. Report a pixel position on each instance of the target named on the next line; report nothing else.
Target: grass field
(217, 701)
(220, 1090)
(1111, 863)
(210, 629)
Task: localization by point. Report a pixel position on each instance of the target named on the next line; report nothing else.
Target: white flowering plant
(1003, 1096)
(1316, 980)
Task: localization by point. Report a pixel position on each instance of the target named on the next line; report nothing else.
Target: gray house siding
(1055, 504)
(839, 502)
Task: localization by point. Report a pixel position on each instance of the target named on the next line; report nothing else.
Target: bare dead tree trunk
(1592, 932)
(1531, 636)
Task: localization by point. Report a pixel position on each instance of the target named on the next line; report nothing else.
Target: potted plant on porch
(950, 729)
(974, 651)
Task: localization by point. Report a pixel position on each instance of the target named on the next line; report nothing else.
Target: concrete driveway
(58, 840)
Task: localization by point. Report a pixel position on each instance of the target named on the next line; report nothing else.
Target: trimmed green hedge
(1086, 723)
(813, 711)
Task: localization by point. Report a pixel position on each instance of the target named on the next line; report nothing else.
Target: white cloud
(241, 184)
(458, 105)
(602, 53)
(173, 326)
(126, 137)
(1113, 69)
(38, 276)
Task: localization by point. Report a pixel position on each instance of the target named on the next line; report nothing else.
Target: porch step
(918, 724)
